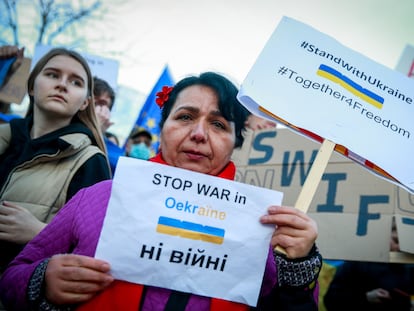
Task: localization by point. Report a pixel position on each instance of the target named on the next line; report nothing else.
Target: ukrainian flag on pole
(150, 114)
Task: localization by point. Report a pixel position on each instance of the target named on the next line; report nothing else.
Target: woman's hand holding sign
(75, 278)
(295, 231)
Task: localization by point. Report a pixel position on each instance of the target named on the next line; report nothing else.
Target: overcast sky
(192, 36)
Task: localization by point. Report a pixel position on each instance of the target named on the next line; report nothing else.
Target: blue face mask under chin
(140, 151)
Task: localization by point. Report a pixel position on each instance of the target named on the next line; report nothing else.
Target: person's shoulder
(100, 192)
(101, 188)
(102, 185)
(95, 153)
(92, 156)
(98, 162)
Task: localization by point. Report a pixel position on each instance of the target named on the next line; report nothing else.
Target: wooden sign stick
(312, 180)
(315, 175)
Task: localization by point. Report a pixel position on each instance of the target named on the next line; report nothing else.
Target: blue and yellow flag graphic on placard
(190, 230)
(356, 89)
(150, 114)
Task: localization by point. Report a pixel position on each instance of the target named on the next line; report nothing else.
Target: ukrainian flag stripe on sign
(335, 76)
(190, 230)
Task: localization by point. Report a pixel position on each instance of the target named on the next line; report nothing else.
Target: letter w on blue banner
(150, 114)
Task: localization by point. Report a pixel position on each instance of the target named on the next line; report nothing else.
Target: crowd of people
(56, 176)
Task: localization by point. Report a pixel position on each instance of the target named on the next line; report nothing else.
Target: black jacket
(353, 279)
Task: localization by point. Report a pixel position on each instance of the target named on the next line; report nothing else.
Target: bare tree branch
(72, 18)
(58, 16)
(9, 18)
(57, 22)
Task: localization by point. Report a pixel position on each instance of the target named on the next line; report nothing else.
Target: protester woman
(50, 154)
(202, 122)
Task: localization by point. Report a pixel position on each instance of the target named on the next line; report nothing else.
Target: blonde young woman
(56, 150)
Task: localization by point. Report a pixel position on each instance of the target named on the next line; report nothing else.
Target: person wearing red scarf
(201, 124)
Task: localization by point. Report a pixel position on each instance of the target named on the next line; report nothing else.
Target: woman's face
(195, 135)
(60, 89)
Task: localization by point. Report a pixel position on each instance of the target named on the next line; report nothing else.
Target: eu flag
(150, 114)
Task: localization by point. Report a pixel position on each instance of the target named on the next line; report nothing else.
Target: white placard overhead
(177, 229)
(311, 82)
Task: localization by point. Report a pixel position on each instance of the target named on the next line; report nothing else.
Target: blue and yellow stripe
(190, 230)
(335, 76)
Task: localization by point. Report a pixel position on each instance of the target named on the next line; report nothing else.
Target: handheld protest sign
(320, 89)
(191, 227)
(314, 85)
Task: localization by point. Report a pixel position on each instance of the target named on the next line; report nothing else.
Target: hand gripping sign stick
(312, 181)
(316, 171)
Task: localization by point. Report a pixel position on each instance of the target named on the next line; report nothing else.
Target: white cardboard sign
(177, 229)
(353, 208)
(310, 81)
